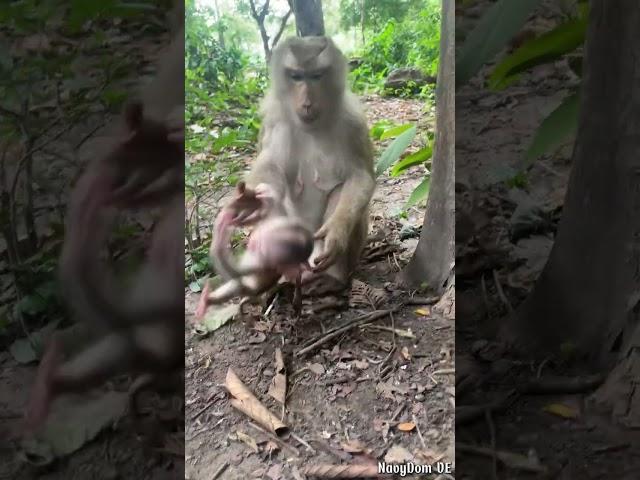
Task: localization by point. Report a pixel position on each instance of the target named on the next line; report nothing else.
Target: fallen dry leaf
(361, 364)
(406, 426)
(248, 440)
(275, 472)
(354, 446)
(424, 312)
(405, 353)
(317, 368)
(398, 454)
(561, 410)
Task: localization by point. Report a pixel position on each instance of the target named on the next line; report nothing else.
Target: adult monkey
(315, 154)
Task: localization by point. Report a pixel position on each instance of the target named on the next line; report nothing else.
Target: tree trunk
(433, 260)
(585, 294)
(589, 291)
(309, 17)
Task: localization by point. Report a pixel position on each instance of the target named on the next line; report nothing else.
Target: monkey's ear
(133, 113)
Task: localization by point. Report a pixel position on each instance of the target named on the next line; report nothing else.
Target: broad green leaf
(27, 350)
(75, 421)
(216, 318)
(409, 161)
(395, 149)
(419, 194)
(546, 48)
(556, 128)
(395, 131)
(492, 33)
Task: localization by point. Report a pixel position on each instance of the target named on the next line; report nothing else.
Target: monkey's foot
(142, 383)
(203, 303)
(42, 394)
(320, 285)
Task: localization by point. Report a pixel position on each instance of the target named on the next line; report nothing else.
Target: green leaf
(395, 149)
(409, 161)
(419, 194)
(73, 423)
(546, 48)
(492, 33)
(556, 128)
(27, 350)
(216, 318)
(395, 131)
(195, 286)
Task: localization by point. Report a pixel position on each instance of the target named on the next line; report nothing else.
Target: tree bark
(433, 260)
(309, 17)
(587, 294)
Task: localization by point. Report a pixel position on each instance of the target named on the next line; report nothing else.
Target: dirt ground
(150, 447)
(384, 390)
(503, 237)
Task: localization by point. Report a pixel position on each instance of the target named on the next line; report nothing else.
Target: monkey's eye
(315, 76)
(296, 76)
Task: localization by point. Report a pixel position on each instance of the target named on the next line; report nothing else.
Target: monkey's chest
(313, 177)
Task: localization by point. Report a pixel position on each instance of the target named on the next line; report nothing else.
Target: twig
(276, 439)
(470, 413)
(501, 294)
(342, 471)
(220, 471)
(445, 371)
(421, 300)
(492, 436)
(415, 422)
(304, 443)
(512, 460)
(333, 333)
(569, 385)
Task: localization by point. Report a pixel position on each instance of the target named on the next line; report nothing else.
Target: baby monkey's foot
(41, 394)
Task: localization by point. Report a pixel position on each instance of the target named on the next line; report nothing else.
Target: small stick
(342, 471)
(421, 301)
(501, 294)
(369, 317)
(220, 471)
(276, 439)
(569, 385)
(415, 422)
(302, 441)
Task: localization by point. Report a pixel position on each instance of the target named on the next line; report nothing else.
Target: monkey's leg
(41, 393)
(109, 356)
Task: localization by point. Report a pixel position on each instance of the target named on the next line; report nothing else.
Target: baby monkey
(278, 248)
(140, 329)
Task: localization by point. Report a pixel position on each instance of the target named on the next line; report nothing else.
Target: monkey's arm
(353, 196)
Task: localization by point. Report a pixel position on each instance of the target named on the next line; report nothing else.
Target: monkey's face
(310, 79)
(307, 94)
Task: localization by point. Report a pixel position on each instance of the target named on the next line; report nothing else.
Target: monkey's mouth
(309, 117)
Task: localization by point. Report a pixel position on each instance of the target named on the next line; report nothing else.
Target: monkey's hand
(250, 206)
(336, 239)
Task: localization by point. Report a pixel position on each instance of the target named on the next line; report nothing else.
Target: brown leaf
(259, 337)
(279, 361)
(405, 353)
(354, 446)
(361, 364)
(248, 440)
(317, 368)
(398, 454)
(406, 426)
(278, 388)
(275, 472)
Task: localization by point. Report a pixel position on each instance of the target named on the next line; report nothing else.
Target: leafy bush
(413, 42)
